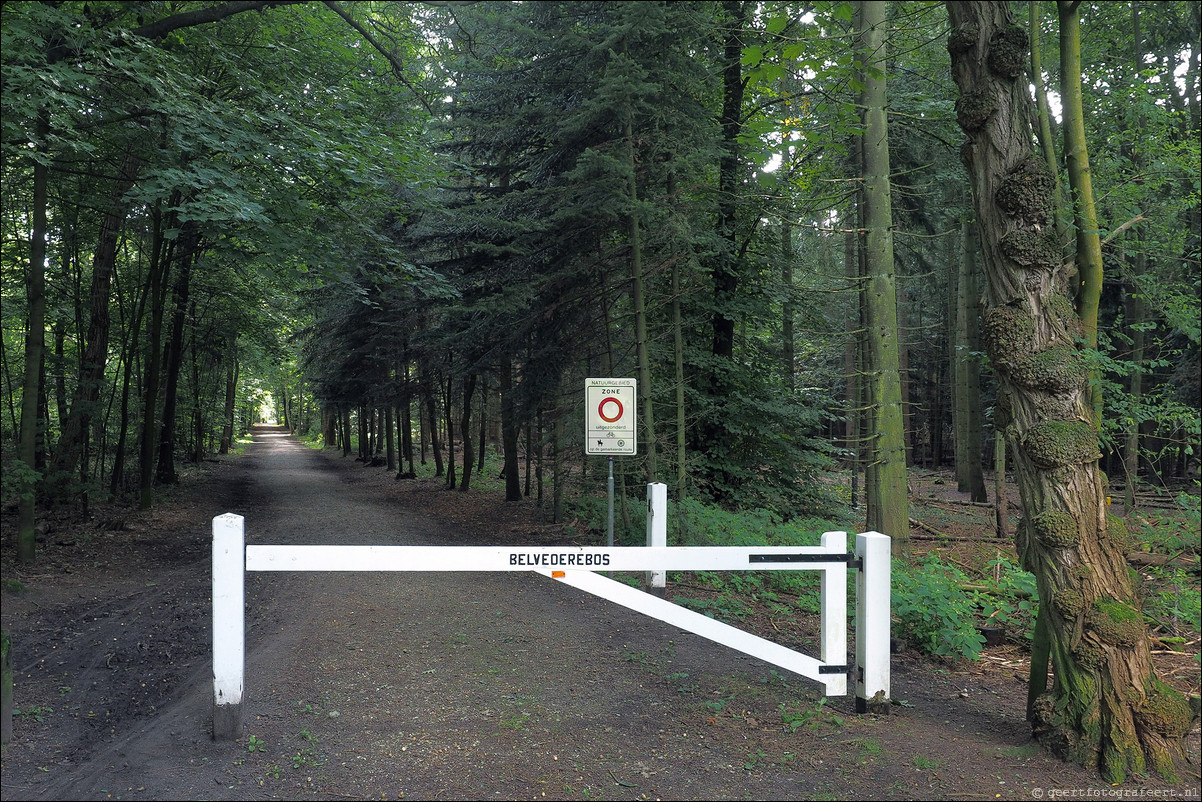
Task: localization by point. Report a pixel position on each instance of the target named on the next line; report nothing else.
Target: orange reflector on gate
(557, 574)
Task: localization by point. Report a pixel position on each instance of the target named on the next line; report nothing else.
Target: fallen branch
(937, 535)
(930, 529)
(940, 501)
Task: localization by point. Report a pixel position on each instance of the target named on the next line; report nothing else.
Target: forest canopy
(359, 206)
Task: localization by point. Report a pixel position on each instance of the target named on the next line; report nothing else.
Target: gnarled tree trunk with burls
(1107, 708)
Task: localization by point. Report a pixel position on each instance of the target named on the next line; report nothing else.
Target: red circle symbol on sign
(601, 409)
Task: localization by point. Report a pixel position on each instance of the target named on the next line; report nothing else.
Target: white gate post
(229, 634)
(657, 527)
(873, 614)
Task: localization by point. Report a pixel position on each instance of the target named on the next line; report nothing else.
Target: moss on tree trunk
(1106, 707)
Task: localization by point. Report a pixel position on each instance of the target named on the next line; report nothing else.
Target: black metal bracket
(845, 557)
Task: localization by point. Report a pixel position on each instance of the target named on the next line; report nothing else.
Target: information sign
(609, 415)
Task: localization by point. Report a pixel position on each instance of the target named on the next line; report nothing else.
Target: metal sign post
(609, 539)
(610, 426)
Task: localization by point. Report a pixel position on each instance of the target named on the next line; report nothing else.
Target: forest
(835, 243)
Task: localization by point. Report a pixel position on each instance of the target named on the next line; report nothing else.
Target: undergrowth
(939, 605)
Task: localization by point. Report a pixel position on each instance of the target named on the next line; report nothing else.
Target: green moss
(1089, 656)
(1026, 192)
(974, 108)
(1062, 308)
(1136, 580)
(1116, 622)
(1069, 603)
(1163, 766)
(1008, 333)
(1056, 529)
(1117, 533)
(1165, 710)
(1059, 369)
(1008, 52)
(1069, 727)
(1031, 248)
(1054, 443)
(1119, 759)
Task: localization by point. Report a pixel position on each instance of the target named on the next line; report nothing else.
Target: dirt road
(441, 686)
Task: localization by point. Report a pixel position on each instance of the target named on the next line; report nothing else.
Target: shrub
(937, 616)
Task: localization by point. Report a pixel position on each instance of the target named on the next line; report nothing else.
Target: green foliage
(38, 712)
(696, 523)
(1010, 598)
(726, 607)
(816, 718)
(1171, 594)
(1173, 601)
(18, 482)
(941, 607)
(1170, 533)
(937, 615)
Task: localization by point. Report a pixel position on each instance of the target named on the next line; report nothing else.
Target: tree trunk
(715, 435)
(1047, 141)
(888, 502)
(198, 418)
(465, 427)
(1135, 309)
(678, 361)
(1107, 708)
(640, 310)
(117, 478)
(364, 437)
(1085, 216)
(432, 420)
(726, 272)
(482, 441)
(96, 345)
(165, 473)
(788, 306)
(449, 409)
(406, 422)
(231, 397)
(329, 426)
(160, 262)
(969, 475)
(1001, 510)
(851, 352)
(509, 432)
(35, 344)
(390, 438)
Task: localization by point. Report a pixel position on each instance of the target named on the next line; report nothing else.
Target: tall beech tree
(1107, 707)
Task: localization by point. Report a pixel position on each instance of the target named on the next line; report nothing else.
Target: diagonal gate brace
(834, 677)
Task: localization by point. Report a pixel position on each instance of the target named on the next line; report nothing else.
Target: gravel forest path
(441, 685)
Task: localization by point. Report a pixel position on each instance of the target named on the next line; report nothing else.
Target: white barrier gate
(576, 566)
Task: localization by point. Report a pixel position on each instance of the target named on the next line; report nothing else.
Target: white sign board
(609, 416)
